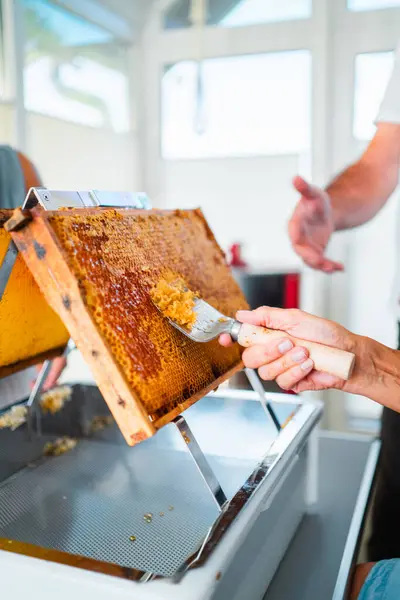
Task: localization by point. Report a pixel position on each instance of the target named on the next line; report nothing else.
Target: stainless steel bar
(32, 403)
(352, 547)
(201, 462)
(38, 384)
(7, 266)
(259, 389)
(54, 199)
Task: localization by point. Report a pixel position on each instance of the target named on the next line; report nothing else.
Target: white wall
(7, 113)
(71, 156)
(372, 267)
(75, 157)
(247, 200)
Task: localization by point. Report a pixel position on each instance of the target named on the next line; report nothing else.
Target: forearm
(357, 195)
(377, 373)
(361, 190)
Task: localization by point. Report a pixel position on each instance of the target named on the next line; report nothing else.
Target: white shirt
(389, 112)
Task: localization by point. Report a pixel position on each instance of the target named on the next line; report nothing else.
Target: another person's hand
(311, 227)
(58, 364)
(290, 366)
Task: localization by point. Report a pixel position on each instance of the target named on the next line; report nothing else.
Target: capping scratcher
(210, 323)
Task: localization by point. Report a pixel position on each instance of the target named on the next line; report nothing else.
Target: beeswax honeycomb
(28, 326)
(117, 257)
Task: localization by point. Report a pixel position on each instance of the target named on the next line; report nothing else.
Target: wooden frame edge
(164, 420)
(69, 560)
(45, 258)
(7, 370)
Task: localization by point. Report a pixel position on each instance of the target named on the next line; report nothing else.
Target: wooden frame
(46, 260)
(15, 303)
(30, 362)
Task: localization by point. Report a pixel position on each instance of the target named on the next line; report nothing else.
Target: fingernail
(299, 355)
(307, 365)
(285, 346)
(242, 313)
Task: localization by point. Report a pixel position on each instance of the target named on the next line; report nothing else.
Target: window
(372, 73)
(371, 4)
(237, 106)
(74, 70)
(250, 12)
(236, 13)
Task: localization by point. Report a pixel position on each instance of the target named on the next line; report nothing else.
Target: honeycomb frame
(96, 268)
(31, 331)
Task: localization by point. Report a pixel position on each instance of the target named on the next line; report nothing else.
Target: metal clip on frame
(54, 200)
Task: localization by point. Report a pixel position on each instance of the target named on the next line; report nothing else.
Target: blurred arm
(31, 175)
(361, 190)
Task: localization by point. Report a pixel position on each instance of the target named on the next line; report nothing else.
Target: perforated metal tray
(90, 502)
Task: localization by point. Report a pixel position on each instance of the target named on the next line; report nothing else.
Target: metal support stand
(197, 454)
(201, 462)
(32, 403)
(259, 390)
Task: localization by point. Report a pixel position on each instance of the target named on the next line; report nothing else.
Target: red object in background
(291, 298)
(291, 291)
(236, 256)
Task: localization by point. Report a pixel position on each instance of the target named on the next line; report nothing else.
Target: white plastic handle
(327, 359)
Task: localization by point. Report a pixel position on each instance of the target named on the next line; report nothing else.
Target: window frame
(374, 8)
(176, 12)
(355, 137)
(14, 52)
(104, 47)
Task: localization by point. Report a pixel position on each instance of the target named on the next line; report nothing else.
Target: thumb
(297, 323)
(270, 317)
(310, 192)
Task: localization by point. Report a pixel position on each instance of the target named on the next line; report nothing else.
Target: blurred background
(216, 104)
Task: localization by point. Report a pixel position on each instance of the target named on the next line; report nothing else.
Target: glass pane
(372, 73)
(236, 13)
(250, 12)
(74, 70)
(237, 106)
(371, 4)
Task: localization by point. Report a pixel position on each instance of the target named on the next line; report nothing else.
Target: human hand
(287, 363)
(311, 226)
(58, 364)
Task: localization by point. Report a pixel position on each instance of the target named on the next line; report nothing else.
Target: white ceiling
(134, 11)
